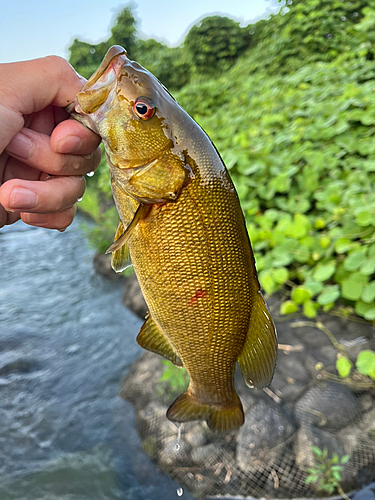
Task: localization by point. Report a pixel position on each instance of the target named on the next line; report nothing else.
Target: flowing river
(66, 340)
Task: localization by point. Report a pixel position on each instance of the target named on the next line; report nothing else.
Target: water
(66, 340)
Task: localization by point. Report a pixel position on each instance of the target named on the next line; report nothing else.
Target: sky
(30, 29)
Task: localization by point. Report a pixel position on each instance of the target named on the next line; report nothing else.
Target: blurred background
(286, 91)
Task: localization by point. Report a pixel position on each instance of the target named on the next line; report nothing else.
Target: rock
(309, 436)
(174, 454)
(133, 298)
(292, 366)
(195, 434)
(138, 385)
(19, 366)
(150, 420)
(204, 456)
(366, 401)
(327, 405)
(265, 427)
(102, 265)
(288, 390)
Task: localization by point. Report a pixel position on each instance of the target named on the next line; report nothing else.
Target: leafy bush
(301, 151)
(214, 43)
(327, 471)
(294, 120)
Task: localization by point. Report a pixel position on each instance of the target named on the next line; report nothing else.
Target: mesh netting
(306, 409)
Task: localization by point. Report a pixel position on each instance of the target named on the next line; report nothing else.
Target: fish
(182, 228)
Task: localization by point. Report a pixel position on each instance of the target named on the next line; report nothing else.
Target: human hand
(43, 155)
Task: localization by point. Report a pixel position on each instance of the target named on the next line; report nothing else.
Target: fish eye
(144, 108)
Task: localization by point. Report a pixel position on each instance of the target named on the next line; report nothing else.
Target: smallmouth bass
(181, 222)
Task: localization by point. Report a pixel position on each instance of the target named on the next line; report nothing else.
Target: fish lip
(115, 52)
(97, 81)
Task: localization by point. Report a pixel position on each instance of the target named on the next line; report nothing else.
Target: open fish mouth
(108, 70)
(97, 89)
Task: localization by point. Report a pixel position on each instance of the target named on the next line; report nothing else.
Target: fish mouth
(97, 89)
(108, 70)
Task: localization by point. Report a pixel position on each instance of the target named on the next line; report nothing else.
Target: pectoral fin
(141, 213)
(152, 338)
(258, 358)
(121, 257)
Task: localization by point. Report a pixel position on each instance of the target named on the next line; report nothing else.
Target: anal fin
(258, 358)
(121, 257)
(152, 338)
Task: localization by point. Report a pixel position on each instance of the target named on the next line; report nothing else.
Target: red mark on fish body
(198, 295)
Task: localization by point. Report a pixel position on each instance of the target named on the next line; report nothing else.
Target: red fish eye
(144, 108)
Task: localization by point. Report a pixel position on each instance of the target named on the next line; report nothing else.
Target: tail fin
(219, 418)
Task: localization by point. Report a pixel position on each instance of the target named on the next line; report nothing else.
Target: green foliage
(215, 43)
(300, 149)
(343, 366)
(171, 66)
(86, 57)
(294, 120)
(124, 30)
(366, 363)
(327, 471)
(173, 380)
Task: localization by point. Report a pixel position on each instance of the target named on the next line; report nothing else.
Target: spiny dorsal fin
(258, 358)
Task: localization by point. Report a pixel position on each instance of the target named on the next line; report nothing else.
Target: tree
(124, 31)
(215, 43)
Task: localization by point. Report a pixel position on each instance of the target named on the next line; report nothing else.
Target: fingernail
(20, 145)
(70, 144)
(22, 199)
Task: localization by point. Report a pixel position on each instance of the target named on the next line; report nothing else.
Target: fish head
(129, 108)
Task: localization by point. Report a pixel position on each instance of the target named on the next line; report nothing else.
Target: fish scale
(182, 222)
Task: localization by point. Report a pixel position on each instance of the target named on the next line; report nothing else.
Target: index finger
(29, 86)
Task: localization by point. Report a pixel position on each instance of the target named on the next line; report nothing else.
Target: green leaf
(310, 309)
(329, 295)
(355, 260)
(267, 282)
(343, 245)
(288, 307)
(366, 362)
(364, 218)
(370, 314)
(368, 294)
(368, 267)
(280, 275)
(324, 271)
(351, 289)
(336, 475)
(343, 366)
(314, 287)
(317, 451)
(344, 459)
(311, 479)
(301, 294)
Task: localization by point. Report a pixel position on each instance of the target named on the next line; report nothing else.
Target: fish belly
(194, 264)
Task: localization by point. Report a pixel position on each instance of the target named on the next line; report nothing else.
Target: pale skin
(43, 154)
